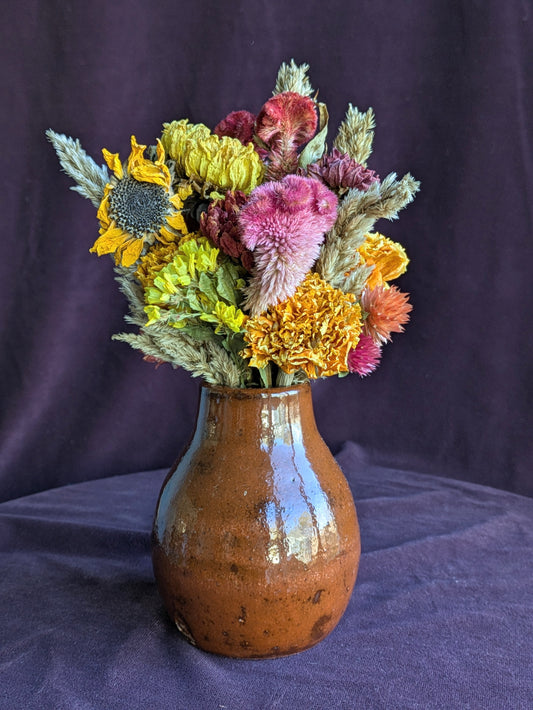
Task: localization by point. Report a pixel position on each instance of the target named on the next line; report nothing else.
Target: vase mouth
(255, 392)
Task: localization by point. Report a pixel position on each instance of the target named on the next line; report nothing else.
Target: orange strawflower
(387, 311)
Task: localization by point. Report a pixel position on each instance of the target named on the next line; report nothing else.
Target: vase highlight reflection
(255, 541)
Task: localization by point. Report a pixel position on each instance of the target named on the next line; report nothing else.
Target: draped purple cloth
(441, 615)
(439, 437)
(451, 87)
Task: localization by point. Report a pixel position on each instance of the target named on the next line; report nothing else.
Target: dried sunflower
(139, 206)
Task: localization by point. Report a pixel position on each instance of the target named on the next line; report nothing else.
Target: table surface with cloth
(441, 615)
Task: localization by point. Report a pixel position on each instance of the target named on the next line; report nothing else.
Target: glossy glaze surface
(255, 539)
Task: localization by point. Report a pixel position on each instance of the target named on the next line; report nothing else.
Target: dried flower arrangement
(247, 253)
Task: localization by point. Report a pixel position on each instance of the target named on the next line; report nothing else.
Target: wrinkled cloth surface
(441, 615)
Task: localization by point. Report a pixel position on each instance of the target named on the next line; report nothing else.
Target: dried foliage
(202, 359)
(356, 134)
(293, 77)
(91, 179)
(339, 261)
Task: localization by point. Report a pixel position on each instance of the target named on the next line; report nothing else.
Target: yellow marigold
(388, 258)
(313, 330)
(139, 205)
(223, 162)
(153, 261)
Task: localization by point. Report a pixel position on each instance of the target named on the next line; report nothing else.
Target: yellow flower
(139, 205)
(225, 318)
(223, 162)
(313, 330)
(153, 261)
(388, 257)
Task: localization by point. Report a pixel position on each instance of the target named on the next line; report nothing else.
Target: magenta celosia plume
(284, 223)
(365, 357)
(237, 124)
(286, 122)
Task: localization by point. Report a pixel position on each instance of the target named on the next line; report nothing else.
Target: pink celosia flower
(338, 170)
(388, 311)
(221, 224)
(284, 224)
(364, 358)
(286, 121)
(237, 124)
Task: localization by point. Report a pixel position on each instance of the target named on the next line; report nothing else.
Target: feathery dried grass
(292, 77)
(356, 134)
(202, 359)
(357, 215)
(91, 179)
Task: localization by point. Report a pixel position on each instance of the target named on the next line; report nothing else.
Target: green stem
(284, 379)
(266, 376)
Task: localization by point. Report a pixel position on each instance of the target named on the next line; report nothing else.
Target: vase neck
(266, 416)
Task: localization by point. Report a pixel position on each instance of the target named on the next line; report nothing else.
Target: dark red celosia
(338, 170)
(221, 225)
(286, 122)
(237, 124)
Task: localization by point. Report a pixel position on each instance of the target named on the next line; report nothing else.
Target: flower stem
(284, 379)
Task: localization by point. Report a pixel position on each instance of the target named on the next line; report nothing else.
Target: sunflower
(139, 205)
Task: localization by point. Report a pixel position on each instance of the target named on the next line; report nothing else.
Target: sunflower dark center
(138, 207)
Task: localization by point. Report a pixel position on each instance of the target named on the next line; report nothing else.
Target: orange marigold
(313, 330)
(153, 261)
(388, 258)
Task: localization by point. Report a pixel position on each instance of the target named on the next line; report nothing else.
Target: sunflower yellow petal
(113, 162)
(109, 241)
(130, 252)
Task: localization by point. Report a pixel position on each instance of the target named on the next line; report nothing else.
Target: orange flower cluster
(387, 312)
(313, 330)
(153, 261)
(388, 258)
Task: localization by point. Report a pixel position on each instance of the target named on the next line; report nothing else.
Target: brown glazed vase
(255, 543)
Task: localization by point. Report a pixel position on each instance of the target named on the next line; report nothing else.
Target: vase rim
(255, 392)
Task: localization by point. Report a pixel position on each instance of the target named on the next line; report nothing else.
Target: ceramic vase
(255, 542)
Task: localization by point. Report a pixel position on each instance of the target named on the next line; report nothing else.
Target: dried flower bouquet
(247, 253)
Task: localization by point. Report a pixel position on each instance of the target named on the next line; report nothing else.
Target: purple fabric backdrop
(452, 91)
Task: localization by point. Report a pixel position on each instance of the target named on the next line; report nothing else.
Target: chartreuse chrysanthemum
(314, 330)
(222, 163)
(139, 206)
(197, 291)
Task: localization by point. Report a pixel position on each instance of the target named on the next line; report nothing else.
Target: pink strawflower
(221, 224)
(388, 310)
(286, 122)
(338, 170)
(237, 124)
(284, 225)
(364, 358)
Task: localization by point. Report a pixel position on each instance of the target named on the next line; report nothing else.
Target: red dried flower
(237, 124)
(221, 225)
(338, 170)
(365, 357)
(286, 121)
(388, 310)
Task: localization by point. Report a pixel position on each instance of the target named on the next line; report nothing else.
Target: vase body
(255, 542)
